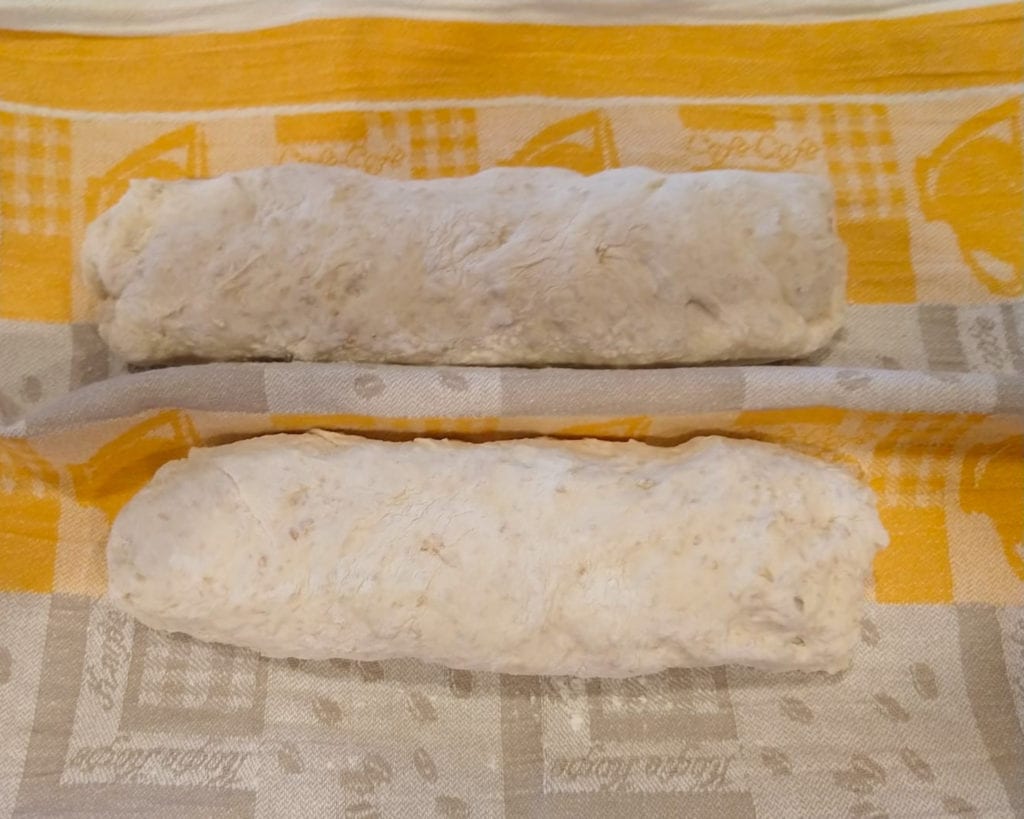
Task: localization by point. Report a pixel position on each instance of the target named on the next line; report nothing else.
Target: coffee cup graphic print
(974, 182)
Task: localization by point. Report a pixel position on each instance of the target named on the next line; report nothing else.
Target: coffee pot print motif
(178, 154)
(583, 143)
(992, 485)
(123, 465)
(974, 182)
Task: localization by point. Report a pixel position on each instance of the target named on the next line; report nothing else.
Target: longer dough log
(512, 266)
(586, 557)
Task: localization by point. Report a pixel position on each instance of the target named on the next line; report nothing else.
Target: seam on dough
(248, 506)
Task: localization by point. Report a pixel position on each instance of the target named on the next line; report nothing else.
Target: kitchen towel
(916, 119)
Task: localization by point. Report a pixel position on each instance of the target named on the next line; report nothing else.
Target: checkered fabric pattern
(442, 142)
(861, 160)
(35, 178)
(916, 120)
(182, 674)
(23, 470)
(922, 476)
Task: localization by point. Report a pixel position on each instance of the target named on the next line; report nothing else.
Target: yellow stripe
(29, 513)
(383, 60)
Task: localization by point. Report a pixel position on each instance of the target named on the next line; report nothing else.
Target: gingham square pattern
(905, 457)
(164, 672)
(680, 702)
(861, 160)
(22, 470)
(184, 674)
(442, 142)
(35, 166)
(911, 464)
(923, 473)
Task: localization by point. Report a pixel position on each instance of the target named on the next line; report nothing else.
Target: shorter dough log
(512, 266)
(538, 556)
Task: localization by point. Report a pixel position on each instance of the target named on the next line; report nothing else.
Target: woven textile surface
(917, 121)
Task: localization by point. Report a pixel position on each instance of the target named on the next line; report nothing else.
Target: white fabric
(131, 17)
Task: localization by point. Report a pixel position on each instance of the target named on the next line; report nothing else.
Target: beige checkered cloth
(916, 120)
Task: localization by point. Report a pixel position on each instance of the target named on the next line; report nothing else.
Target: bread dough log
(588, 557)
(512, 266)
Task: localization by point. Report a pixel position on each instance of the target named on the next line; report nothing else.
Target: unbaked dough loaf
(512, 266)
(540, 556)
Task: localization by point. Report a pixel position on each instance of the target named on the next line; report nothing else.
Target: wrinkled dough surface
(512, 266)
(537, 556)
